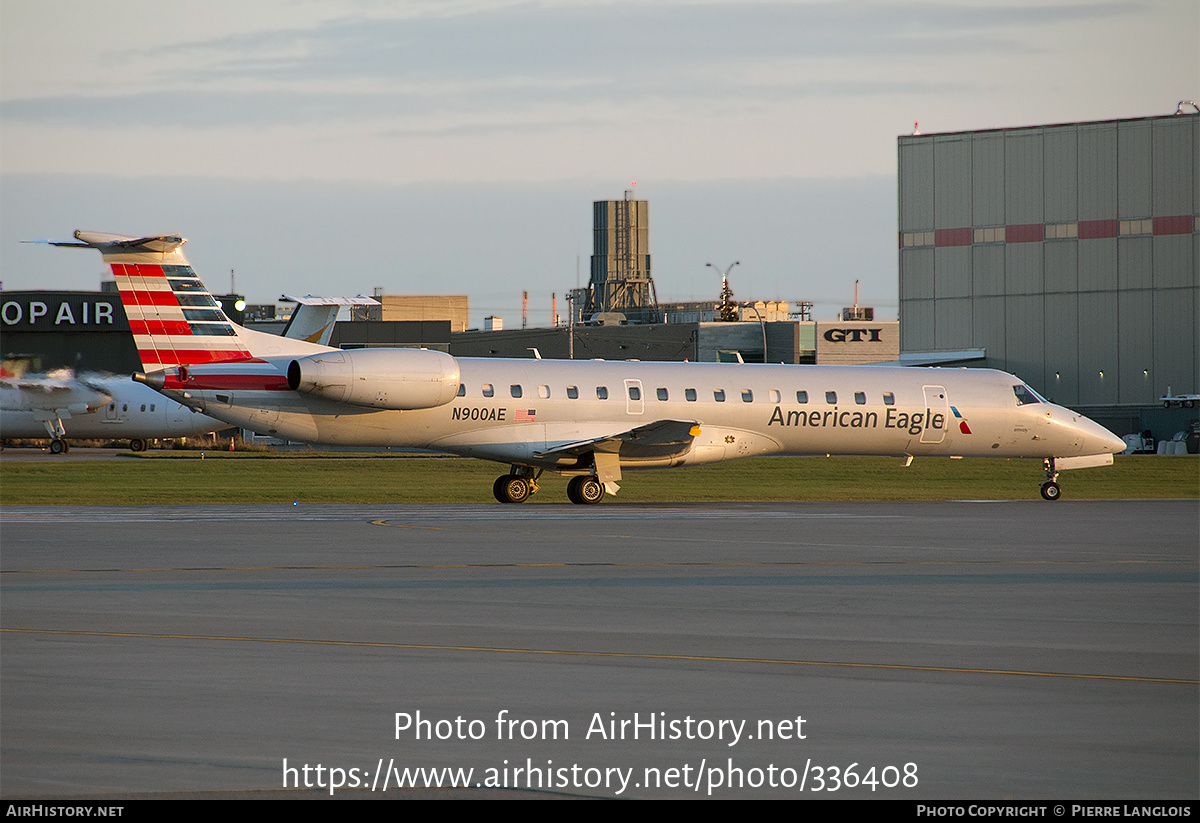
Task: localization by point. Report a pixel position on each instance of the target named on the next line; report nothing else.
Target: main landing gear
(585, 490)
(517, 486)
(59, 446)
(1050, 489)
(521, 484)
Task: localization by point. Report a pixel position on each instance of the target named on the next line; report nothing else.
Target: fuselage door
(936, 406)
(633, 394)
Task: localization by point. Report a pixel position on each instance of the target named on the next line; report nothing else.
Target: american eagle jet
(588, 420)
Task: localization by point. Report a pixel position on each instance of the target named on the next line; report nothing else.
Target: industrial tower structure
(621, 279)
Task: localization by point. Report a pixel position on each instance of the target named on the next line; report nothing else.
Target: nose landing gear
(1050, 489)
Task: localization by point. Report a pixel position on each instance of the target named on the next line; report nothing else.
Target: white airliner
(62, 405)
(584, 419)
(93, 406)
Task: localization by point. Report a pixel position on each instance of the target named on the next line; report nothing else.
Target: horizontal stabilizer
(104, 240)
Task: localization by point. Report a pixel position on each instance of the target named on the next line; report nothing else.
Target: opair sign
(849, 342)
(61, 311)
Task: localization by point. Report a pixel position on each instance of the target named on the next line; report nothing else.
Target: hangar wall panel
(1097, 172)
(988, 269)
(1061, 176)
(952, 324)
(1133, 171)
(1173, 159)
(1070, 252)
(916, 176)
(916, 333)
(1098, 264)
(952, 183)
(987, 176)
(989, 322)
(1062, 267)
(1023, 177)
(952, 272)
(1061, 375)
(1135, 367)
(1097, 348)
(1135, 267)
(1175, 332)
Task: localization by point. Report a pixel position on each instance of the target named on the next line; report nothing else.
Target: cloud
(510, 66)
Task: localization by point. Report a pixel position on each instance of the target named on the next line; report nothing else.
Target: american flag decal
(525, 415)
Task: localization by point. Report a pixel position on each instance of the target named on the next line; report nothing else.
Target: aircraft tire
(585, 490)
(137, 445)
(511, 488)
(498, 490)
(58, 446)
(1051, 491)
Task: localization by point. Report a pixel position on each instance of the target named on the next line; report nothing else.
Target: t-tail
(175, 320)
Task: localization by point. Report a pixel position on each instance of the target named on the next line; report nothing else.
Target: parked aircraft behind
(93, 406)
(62, 405)
(588, 420)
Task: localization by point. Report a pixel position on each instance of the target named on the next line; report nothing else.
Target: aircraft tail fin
(175, 320)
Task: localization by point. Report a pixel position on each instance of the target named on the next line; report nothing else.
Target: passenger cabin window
(635, 393)
(689, 395)
(747, 396)
(602, 392)
(462, 389)
(515, 389)
(573, 392)
(543, 392)
(860, 397)
(488, 390)
(773, 395)
(889, 399)
(719, 395)
(661, 392)
(801, 397)
(831, 397)
(143, 407)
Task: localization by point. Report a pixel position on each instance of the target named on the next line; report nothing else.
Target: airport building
(1065, 254)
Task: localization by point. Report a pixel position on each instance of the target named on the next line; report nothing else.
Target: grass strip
(457, 480)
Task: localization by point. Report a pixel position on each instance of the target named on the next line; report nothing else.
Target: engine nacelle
(401, 379)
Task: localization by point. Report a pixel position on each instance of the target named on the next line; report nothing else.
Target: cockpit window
(1026, 395)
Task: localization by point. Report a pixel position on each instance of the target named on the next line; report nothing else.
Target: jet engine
(402, 379)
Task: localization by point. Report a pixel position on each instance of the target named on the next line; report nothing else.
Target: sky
(455, 146)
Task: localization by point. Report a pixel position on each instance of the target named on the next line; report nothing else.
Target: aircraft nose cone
(1112, 443)
(1099, 440)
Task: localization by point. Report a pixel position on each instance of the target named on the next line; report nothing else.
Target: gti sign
(853, 335)
(846, 343)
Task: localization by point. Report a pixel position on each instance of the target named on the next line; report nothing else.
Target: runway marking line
(603, 564)
(628, 655)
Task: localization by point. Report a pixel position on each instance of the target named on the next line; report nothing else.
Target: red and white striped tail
(174, 319)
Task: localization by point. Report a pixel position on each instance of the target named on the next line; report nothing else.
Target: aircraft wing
(662, 438)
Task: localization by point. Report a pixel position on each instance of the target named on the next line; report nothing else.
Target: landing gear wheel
(137, 445)
(585, 490)
(1051, 491)
(511, 488)
(59, 446)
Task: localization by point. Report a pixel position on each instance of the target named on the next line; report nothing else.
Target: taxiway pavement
(933, 650)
